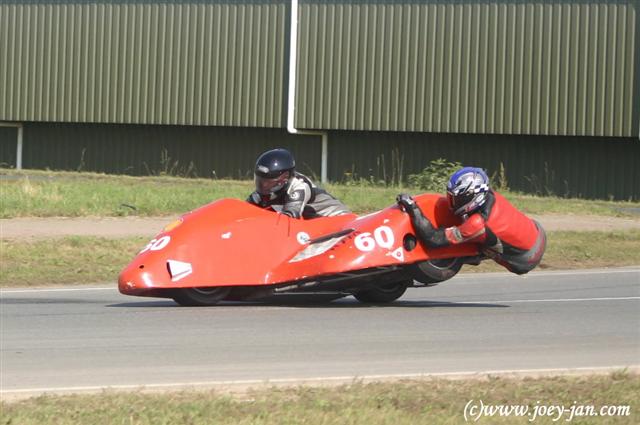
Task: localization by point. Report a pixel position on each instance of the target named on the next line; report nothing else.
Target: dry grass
(407, 402)
(78, 259)
(67, 194)
(580, 250)
(71, 260)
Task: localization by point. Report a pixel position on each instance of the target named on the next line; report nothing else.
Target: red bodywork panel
(233, 243)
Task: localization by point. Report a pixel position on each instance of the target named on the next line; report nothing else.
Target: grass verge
(77, 259)
(405, 402)
(70, 260)
(580, 250)
(68, 194)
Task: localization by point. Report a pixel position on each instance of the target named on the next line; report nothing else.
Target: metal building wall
(415, 68)
(557, 67)
(560, 67)
(594, 167)
(585, 167)
(154, 62)
(8, 146)
(150, 149)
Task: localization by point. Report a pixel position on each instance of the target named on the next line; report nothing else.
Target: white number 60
(383, 236)
(157, 244)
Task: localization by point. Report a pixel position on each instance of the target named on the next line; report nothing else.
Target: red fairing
(233, 243)
(511, 226)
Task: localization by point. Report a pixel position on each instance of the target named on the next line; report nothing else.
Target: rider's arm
(254, 198)
(425, 231)
(295, 201)
(472, 230)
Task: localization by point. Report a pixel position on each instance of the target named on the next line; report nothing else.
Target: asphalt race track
(87, 338)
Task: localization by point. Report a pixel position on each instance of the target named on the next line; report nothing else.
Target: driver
(280, 187)
(505, 234)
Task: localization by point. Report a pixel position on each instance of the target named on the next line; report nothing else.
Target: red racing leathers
(505, 234)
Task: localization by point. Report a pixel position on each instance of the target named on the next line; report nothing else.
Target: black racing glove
(423, 227)
(406, 202)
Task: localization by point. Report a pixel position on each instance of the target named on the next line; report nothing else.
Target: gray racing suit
(300, 198)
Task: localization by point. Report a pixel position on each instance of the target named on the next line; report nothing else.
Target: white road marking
(21, 291)
(333, 379)
(461, 278)
(534, 274)
(552, 300)
(458, 278)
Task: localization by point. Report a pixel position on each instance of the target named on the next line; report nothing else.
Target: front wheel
(382, 294)
(200, 296)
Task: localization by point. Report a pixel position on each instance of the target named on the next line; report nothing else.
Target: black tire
(436, 271)
(200, 296)
(383, 294)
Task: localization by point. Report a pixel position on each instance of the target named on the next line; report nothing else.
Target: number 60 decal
(157, 244)
(382, 236)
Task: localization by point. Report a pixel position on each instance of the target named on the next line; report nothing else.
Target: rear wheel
(436, 271)
(383, 294)
(200, 296)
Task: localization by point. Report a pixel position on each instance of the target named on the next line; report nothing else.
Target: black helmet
(273, 170)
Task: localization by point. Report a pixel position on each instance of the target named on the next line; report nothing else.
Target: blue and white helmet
(467, 190)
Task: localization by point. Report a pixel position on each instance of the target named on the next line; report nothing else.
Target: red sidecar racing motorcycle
(232, 250)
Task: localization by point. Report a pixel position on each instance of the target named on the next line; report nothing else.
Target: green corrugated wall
(586, 167)
(151, 149)
(503, 67)
(506, 67)
(593, 167)
(8, 146)
(153, 62)
(421, 78)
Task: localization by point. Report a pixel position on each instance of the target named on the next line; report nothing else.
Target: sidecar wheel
(436, 271)
(382, 294)
(200, 296)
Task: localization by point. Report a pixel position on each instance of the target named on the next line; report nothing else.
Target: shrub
(435, 176)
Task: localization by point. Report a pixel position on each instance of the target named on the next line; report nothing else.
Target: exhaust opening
(409, 242)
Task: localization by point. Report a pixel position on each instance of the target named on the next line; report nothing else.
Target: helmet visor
(451, 200)
(456, 202)
(267, 186)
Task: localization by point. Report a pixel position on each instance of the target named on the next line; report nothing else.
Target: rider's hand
(406, 202)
